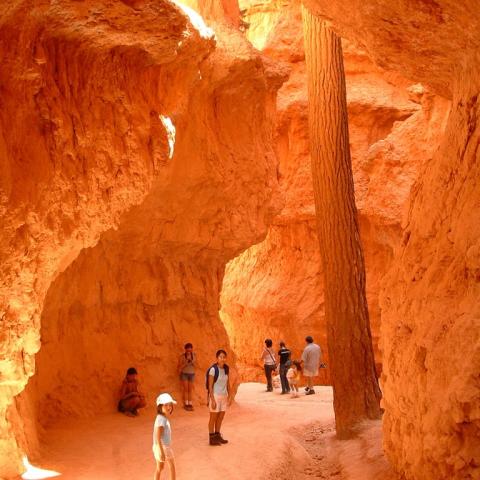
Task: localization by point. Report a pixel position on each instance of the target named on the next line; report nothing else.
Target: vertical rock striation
(430, 309)
(271, 290)
(104, 108)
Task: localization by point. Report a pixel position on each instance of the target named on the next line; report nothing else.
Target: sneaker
(221, 439)
(190, 408)
(311, 391)
(214, 440)
(307, 389)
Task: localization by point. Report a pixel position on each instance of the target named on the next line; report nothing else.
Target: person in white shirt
(162, 436)
(219, 397)
(269, 362)
(311, 357)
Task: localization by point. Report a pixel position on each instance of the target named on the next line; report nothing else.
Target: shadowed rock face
(105, 108)
(275, 289)
(429, 300)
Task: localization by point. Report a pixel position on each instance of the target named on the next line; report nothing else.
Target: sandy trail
(268, 434)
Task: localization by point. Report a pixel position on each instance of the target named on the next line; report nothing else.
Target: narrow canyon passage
(155, 189)
(114, 447)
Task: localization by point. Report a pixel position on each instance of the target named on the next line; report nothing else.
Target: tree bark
(355, 384)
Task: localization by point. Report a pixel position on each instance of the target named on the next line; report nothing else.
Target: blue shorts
(187, 377)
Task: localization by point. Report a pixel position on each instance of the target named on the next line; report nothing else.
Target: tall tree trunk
(355, 384)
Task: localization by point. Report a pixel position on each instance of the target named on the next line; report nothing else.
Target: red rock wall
(274, 289)
(429, 300)
(85, 145)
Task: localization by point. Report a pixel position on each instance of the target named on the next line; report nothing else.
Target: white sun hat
(165, 398)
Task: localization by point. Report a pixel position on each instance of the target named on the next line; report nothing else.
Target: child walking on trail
(162, 436)
(294, 375)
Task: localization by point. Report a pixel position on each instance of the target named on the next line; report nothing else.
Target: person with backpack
(269, 362)
(219, 396)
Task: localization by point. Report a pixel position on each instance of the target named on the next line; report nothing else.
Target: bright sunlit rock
(35, 473)
(197, 20)
(171, 131)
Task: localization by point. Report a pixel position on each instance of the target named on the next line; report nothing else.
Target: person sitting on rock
(130, 397)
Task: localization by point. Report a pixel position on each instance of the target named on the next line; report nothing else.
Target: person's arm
(304, 357)
(262, 357)
(123, 392)
(158, 438)
(182, 361)
(139, 393)
(210, 391)
(229, 392)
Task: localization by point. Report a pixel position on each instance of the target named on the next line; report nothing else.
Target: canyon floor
(271, 436)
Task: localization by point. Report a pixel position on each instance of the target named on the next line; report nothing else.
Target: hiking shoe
(221, 439)
(311, 391)
(214, 440)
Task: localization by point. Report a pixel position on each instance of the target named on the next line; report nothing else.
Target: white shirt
(220, 386)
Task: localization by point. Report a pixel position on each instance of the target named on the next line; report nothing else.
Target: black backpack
(216, 373)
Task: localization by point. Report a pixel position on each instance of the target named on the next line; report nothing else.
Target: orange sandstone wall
(430, 311)
(90, 92)
(274, 289)
(80, 143)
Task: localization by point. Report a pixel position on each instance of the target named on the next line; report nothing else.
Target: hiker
(293, 375)
(285, 362)
(269, 362)
(219, 396)
(130, 398)
(186, 370)
(162, 436)
(311, 357)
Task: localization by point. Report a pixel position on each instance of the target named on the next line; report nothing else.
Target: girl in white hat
(162, 436)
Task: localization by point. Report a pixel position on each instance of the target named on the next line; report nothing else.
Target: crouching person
(162, 436)
(219, 397)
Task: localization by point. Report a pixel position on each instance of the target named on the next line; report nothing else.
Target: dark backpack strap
(216, 373)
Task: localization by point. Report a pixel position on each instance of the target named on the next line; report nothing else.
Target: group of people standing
(290, 371)
(219, 392)
(219, 395)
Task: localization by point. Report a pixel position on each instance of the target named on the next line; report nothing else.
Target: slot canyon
(156, 189)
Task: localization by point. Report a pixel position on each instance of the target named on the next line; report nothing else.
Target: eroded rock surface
(430, 310)
(274, 289)
(121, 105)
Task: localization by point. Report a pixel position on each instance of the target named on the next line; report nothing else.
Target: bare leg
(212, 422)
(171, 464)
(158, 471)
(190, 392)
(185, 391)
(218, 423)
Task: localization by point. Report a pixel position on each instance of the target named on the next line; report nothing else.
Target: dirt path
(268, 434)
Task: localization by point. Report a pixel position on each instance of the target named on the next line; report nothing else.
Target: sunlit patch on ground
(35, 473)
